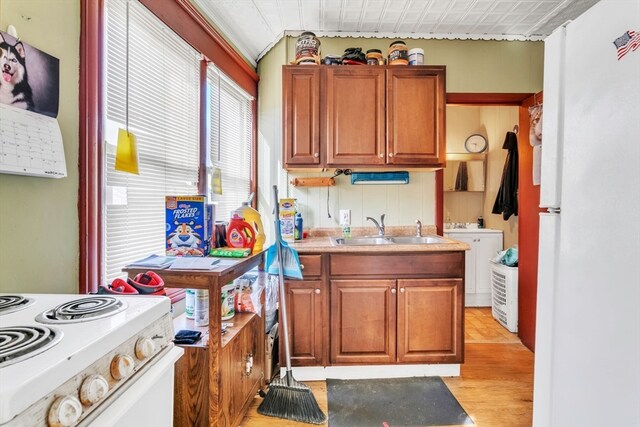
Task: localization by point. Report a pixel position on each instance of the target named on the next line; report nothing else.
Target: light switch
(345, 217)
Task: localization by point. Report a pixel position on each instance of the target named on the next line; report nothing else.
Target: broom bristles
(291, 400)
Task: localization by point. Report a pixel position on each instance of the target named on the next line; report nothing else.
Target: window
(230, 140)
(162, 111)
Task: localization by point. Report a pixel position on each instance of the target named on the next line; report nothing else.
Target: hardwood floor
(495, 386)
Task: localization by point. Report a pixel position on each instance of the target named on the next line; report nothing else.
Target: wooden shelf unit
(213, 386)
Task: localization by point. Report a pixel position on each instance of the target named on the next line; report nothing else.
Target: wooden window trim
(186, 21)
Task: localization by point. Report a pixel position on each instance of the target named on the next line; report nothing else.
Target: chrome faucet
(418, 228)
(379, 226)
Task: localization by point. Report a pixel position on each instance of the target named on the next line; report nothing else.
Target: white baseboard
(320, 373)
(477, 300)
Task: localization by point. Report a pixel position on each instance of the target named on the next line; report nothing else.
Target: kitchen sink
(417, 240)
(387, 240)
(361, 241)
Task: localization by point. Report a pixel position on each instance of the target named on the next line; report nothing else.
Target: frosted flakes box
(186, 224)
(287, 208)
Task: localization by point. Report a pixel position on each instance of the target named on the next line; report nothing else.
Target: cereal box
(287, 209)
(185, 226)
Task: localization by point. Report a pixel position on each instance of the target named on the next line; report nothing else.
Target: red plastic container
(240, 234)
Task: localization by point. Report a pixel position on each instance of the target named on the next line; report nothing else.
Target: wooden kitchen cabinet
(363, 321)
(429, 320)
(416, 102)
(307, 305)
(353, 117)
(380, 116)
(301, 115)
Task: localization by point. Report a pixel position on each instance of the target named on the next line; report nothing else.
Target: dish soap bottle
(253, 217)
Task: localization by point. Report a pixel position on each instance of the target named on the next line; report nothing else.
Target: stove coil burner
(83, 310)
(18, 343)
(11, 303)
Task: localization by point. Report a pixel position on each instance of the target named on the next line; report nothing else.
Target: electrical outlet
(345, 217)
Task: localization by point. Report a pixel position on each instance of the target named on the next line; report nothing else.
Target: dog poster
(30, 77)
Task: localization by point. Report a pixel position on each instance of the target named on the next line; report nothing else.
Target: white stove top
(26, 381)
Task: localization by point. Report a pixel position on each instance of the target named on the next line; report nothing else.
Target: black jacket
(507, 199)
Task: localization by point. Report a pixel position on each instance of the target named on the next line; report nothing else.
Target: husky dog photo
(30, 78)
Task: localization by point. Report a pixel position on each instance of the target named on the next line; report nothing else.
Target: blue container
(297, 231)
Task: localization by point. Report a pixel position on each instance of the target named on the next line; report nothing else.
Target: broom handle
(283, 304)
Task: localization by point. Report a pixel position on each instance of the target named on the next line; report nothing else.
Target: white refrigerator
(587, 359)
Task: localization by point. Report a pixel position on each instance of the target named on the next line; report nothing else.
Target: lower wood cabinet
(389, 321)
(377, 309)
(363, 321)
(306, 302)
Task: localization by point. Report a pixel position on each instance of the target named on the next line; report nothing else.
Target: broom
(288, 398)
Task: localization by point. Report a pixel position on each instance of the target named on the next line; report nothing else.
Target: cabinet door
(363, 321)
(305, 307)
(416, 102)
(487, 245)
(430, 321)
(301, 115)
(354, 116)
(469, 261)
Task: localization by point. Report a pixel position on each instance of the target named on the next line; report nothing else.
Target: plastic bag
(507, 257)
(271, 302)
(247, 294)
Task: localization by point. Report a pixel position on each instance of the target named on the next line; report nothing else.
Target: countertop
(319, 240)
(471, 230)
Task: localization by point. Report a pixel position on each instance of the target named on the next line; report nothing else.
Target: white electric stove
(98, 360)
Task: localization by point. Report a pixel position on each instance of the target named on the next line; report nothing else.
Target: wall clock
(476, 143)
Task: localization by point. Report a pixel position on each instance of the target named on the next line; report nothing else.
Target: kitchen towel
(462, 178)
(417, 401)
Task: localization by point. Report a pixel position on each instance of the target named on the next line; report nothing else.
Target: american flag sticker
(626, 43)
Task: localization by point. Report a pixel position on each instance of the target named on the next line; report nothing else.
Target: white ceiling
(254, 26)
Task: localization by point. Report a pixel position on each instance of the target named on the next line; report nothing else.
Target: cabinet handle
(390, 154)
(316, 155)
(317, 291)
(402, 290)
(301, 266)
(248, 364)
(381, 155)
(393, 291)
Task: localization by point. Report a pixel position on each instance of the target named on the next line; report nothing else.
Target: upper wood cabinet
(416, 101)
(363, 116)
(301, 115)
(354, 115)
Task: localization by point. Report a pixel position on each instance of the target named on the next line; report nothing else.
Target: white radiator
(504, 295)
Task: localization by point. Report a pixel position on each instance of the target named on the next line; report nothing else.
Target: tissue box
(287, 209)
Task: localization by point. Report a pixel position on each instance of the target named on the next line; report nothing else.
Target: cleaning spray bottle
(252, 216)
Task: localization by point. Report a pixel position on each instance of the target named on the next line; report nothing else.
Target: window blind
(230, 141)
(163, 114)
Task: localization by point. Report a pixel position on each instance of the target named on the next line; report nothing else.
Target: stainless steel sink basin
(387, 240)
(415, 240)
(361, 241)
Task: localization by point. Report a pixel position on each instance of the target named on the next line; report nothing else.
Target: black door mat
(416, 402)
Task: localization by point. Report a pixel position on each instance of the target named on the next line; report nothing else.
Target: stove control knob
(121, 366)
(65, 411)
(93, 389)
(145, 347)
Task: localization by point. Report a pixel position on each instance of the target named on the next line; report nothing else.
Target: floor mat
(417, 401)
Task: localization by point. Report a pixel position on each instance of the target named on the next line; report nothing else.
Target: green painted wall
(472, 66)
(39, 216)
